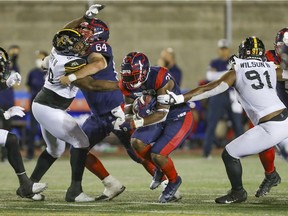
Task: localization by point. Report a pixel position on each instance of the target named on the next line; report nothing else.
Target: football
(144, 105)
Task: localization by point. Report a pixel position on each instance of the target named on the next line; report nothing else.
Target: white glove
(14, 111)
(93, 11)
(14, 78)
(170, 98)
(120, 115)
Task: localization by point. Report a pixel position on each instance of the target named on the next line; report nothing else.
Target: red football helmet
(279, 40)
(135, 69)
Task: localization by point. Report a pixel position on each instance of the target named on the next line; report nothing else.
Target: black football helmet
(4, 65)
(252, 48)
(69, 42)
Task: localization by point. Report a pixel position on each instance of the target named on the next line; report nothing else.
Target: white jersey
(57, 68)
(256, 88)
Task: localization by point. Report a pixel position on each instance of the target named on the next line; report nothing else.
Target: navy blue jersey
(35, 81)
(219, 65)
(103, 102)
(282, 86)
(158, 77)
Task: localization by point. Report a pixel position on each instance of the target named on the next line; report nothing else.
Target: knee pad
(57, 150)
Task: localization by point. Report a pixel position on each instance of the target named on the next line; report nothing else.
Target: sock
(77, 162)
(15, 159)
(13, 153)
(150, 168)
(146, 153)
(94, 165)
(234, 170)
(44, 162)
(267, 159)
(169, 170)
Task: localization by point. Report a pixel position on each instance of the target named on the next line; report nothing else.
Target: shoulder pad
(74, 65)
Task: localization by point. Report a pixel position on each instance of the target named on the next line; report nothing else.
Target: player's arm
(282, 75)
(96, 63)
(89, 14)
(128, 108)
(157, 116)
(211, 89)
(90, 84)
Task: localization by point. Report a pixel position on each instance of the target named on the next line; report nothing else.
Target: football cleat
(28, 190)
(157, 179)
(232, 197)
(73, 196)
(112, 189)
(170, 190)
(270, 180)
(34, 197)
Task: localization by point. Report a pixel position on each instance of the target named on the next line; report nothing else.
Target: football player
(252, 77)
(158, 134)
(267, 157)
(105, 106)
(49, 108)
(9, 140)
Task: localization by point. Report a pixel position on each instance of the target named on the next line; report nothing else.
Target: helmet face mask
(134, 70)
(95, 30)
(279, 40)
(4, 65)
(69, 42)
(252, 48)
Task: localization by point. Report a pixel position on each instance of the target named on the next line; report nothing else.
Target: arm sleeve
(223, 86)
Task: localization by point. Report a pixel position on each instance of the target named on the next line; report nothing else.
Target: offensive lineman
(8, 79)
(255, 82)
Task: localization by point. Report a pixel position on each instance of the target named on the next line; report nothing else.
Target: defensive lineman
(255, 82)
(49, 109)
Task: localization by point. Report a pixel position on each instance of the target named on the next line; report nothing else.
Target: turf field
(203, 181)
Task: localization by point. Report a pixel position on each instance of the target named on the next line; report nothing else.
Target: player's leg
(251, 142)
(69, 131)
(125, 138)
(174, 134)
(272, 177)
(11, 143)
(97, 129)
(53, 151)
(215, 112)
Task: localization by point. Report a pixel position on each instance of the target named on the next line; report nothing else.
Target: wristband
(138, 123)
(72, 77)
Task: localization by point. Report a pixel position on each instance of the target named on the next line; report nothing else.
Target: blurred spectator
(35, 81)
(167, 59)
(7, 96)
(222, 104)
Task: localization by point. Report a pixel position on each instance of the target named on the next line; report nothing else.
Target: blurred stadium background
(191, 28)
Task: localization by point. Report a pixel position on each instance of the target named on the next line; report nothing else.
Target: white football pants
(258, 139)
(58, 127)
